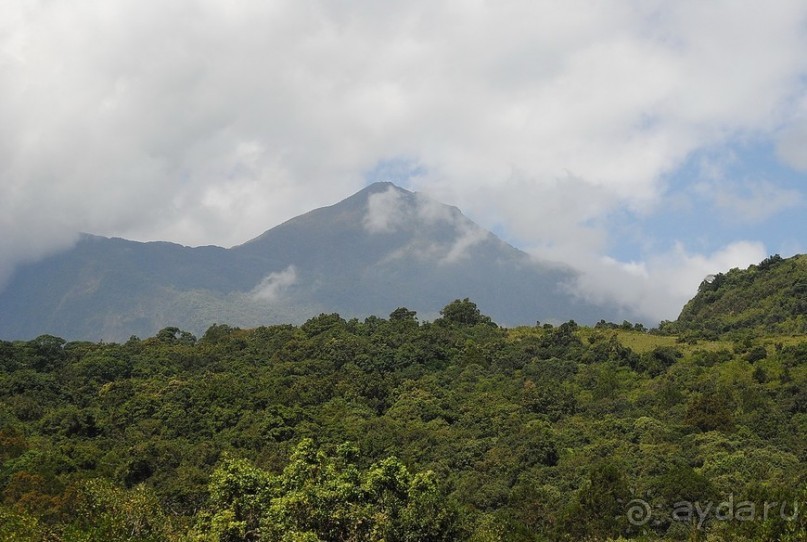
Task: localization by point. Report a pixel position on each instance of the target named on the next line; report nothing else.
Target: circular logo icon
(639, 512)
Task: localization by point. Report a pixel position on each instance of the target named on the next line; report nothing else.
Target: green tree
(464, 313)
(328, 498)
(109, 513)
(599, 509)
(710, 412)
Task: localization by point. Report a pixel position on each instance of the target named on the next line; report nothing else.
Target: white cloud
(389, 210)
(385, 211)
(660, 286)
(208, 122)
(754, 202)
(793, 140)
(431, 211)
(274, 284)
(468, 235)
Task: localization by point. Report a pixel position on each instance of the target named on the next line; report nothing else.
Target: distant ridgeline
(767, 298)
(381, 248)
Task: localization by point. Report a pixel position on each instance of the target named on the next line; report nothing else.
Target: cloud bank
(391, 210)
(385, 211)
(208, 122)
(659, 286)
(274, 284)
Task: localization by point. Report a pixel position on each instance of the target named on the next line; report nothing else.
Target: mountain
(768, 298)
(382, 248)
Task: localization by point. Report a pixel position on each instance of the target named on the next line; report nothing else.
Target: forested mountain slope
(767, 298)
(392, 429)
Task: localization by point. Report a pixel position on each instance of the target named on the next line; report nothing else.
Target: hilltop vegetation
(397, 430)
(769, 298)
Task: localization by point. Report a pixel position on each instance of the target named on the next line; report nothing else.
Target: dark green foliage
(323, 324)
(683, 483)
(709, 412)
(459, 430)
(657, 361)
(174, 335)
(402, 314)
(464, 313)
(756, 353)
(603, 350)
(598, 507)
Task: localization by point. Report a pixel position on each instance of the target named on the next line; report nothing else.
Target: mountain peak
(375, 189)
(380, 186)
(381, 248)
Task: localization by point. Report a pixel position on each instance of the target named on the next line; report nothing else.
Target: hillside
(392, 429)
(379, 249)
(767, 298)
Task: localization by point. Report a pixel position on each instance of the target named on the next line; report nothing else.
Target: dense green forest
(397, 430)
(769, 298)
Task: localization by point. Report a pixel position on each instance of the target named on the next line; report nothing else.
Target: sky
(644, 143)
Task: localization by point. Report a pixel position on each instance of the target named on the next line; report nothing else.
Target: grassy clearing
(641, 342)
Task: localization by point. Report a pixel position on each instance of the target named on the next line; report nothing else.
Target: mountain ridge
(766, 298)
(381, 248)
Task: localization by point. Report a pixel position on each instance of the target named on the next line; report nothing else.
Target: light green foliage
(19, 527)
(322, 497)
(769, 297)
(106, 512)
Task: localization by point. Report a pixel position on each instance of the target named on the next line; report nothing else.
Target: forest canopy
(393, 429)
